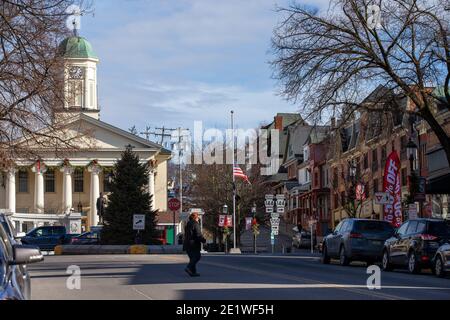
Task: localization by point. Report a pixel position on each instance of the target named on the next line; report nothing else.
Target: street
(161, 277)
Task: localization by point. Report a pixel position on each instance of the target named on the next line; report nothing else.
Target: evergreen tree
(129, 196)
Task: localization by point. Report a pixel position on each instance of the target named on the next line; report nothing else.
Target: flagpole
(234, 182)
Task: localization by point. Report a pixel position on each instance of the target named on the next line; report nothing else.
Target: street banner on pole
(248, 223)
(222, 220)
(228, 221)
(391, 185)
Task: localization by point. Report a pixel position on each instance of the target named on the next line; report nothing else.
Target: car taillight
(356, 235)
(428, 237)
(73, 241)
(425, 258)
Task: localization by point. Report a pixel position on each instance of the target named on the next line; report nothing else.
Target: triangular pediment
(105, 136)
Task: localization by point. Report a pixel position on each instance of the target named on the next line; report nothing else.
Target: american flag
(237, 172)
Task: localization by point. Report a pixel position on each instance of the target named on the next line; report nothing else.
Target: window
(366, 161)
(412, 227)
(383, 155)
(403, 143)
(404, 177)
(402, 230)
(50, 180)
(375, 186)
(23, 181)
(75, 93)
(375, 159)
(106, 184)
(78, 180)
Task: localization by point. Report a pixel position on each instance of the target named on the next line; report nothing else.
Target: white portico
(59, 182)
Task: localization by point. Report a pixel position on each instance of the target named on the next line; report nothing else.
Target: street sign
(198, 211)
(274, 222)
(312, 223)
(383, 198)
(280, 209)
(139, 222)
(275, 215)
(420, 195)
(412, 211)
(269, 203)
(269, 209)
(174, 204)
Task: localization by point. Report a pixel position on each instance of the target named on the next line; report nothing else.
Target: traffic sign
(174, 204)
(383, 198)
(269, 196)
(275, 222)
(139, 222)
(269, 203)
(269, 209)
(280, 197)
(280, 209)
(275, 215)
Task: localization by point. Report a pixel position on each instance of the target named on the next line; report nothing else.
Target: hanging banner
(248, 223)
(228, 221)
(391, 185)
(222, 221)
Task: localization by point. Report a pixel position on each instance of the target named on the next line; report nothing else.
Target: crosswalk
(263, 243)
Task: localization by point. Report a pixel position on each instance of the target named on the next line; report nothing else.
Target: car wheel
(413, 266)
(385, 264)
(439, 268)
(325, 256)
(343, 259)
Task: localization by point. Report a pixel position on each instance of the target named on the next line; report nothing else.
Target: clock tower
(80, 77)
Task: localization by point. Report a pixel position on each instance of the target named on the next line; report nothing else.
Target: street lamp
(225, 209)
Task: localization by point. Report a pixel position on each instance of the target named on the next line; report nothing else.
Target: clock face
(76, 73)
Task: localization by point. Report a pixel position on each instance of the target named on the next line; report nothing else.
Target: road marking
(143, 294)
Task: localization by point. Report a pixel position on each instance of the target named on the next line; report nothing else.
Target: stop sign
(174, 204)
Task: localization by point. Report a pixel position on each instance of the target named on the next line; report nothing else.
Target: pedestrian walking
(193, 239)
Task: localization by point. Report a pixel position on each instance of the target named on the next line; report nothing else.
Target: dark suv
(356, 239)
(415, 243)
(47, 237)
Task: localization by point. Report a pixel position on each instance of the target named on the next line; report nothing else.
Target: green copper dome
(77, 48)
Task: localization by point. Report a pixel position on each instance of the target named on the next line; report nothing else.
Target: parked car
(12, 256)
(441, 261)
(23, 274)
(415, 244)
(356, 240)
(87, 238)
(47, 237)
(302, 239)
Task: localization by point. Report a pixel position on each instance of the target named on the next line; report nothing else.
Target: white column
(95, 193)
(67, 172)
(11, 190)
(151, 188)
(39, 169)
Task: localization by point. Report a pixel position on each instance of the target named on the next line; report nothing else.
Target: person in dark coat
(193, 239)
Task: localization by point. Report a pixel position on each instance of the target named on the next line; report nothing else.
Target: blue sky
(172, 62)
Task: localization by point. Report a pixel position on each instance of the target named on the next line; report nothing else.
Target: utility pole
(147, 133)
(165, 133)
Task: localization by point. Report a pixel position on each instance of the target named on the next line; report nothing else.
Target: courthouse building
(58, 183)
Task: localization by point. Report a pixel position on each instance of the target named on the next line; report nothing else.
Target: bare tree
(31, 76)
(211, 187)
(331, 60)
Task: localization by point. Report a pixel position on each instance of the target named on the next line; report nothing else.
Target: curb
(125, 249)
